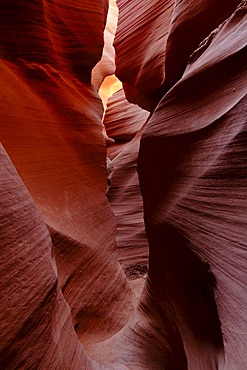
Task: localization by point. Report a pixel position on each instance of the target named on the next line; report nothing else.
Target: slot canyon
(123, 184)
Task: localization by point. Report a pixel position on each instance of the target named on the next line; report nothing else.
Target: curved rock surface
(124, 123)
(51, 128)
(36, 324)
(193, 181)
(106, 65)
(64, 295)
(143, 28)
(192, 313)
(163, 35)
(123, 120)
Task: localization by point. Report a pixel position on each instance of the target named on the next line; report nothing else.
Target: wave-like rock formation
(163, 34)
(36, 323)
(66, 302)
(124, 123)
(51, 128)
(106, 65)
(193, 180)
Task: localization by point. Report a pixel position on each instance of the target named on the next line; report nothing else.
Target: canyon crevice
(123, 185)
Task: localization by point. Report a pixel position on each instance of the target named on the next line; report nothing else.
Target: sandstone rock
(192, 313)
(36, 325)
(163, 34)
(140, 45)
(191, 23)
(193, 181)
(106, 66)
(51, 128)
(124, 123)
(122, 119)
(60, 275)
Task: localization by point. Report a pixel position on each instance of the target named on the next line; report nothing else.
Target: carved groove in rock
(125, 250)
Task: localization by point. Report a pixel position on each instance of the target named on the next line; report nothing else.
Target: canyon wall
(51, 128)
(124, 123)
(176, 164)
(192, 176)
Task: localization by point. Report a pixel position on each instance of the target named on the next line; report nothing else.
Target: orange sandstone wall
(162, 35)
(51, 129)
(36, 323)
(124, 123)
(185, 62)
(192, 176)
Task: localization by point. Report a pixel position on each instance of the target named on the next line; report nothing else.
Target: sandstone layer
(174, 174)
(36, 323)
(193, 180)
(51, 128)
(162, 35)
(124, 123)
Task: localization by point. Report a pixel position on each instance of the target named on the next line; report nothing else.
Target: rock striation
(176, 177)
(192, 176)
(36, 323)
(51, 128)
(193, 181)
(124, 123)
(106, 65)
(163, 34)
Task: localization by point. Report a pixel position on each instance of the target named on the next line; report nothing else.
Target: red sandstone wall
(51, 128)
(185, 62)
(192, 175)
(124, 123)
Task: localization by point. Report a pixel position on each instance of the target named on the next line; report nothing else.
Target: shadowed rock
(64, 295)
